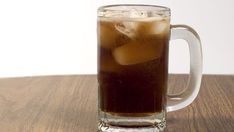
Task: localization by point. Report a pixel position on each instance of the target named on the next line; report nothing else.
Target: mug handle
(187, 96)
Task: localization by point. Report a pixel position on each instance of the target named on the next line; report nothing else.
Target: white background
(44, 37)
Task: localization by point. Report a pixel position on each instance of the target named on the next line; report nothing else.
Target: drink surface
(133, 65)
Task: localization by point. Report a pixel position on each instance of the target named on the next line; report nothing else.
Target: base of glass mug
(116, 123)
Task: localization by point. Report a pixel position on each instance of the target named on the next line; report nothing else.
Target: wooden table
(69, 104)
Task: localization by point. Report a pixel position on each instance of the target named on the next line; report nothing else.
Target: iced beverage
(133, 65)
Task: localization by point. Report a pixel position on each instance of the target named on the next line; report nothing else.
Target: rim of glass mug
(124, 10)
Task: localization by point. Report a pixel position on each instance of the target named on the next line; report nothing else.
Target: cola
(133, 65)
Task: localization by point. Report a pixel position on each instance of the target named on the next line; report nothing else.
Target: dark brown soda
(136, 89)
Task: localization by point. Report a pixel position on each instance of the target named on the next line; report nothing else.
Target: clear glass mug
(133, 46)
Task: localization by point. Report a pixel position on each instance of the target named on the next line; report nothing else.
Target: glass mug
(133, 46)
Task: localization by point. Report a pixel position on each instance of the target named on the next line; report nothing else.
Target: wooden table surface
(69, 104)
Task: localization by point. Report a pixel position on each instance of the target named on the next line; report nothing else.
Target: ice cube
(134, 13)
(108, 35)
(156, 26)
(127, 28)
(159, 27)
(137, 52)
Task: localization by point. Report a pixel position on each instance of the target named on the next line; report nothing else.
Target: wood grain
(69, 104)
